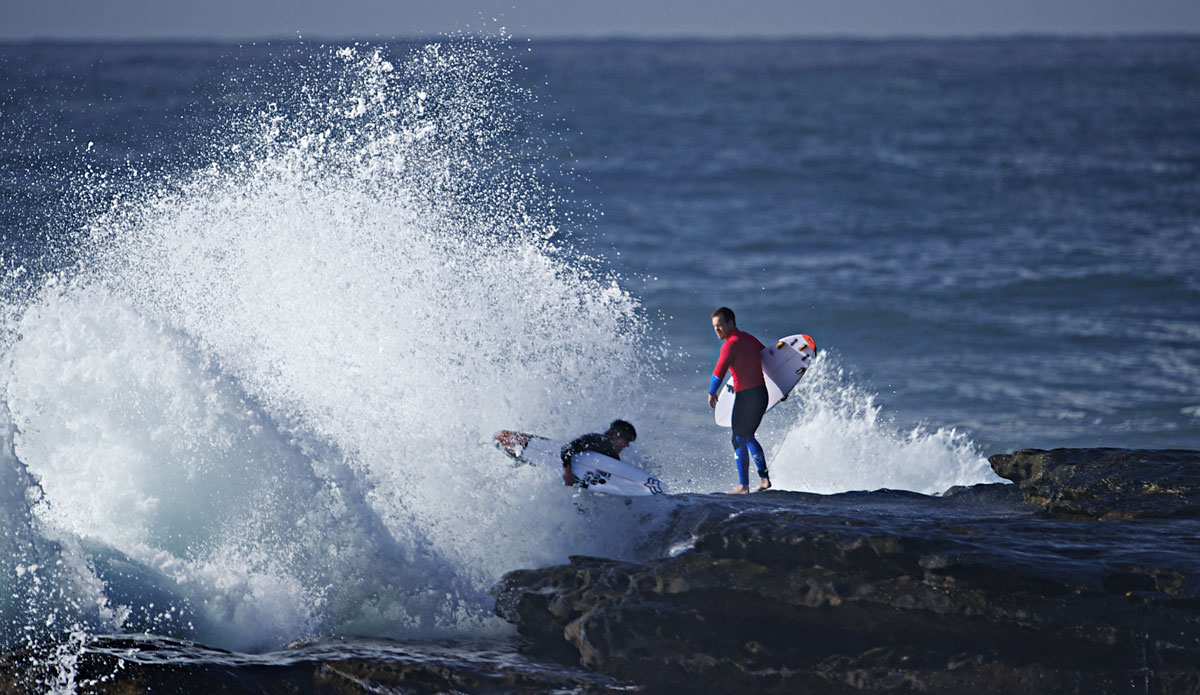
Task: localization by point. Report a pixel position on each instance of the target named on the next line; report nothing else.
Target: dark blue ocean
(264, 304)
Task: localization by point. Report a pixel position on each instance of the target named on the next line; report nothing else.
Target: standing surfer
(740, 355)
(619, 435)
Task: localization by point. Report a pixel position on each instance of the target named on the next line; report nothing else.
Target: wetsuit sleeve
(713, 385)
(725, 360)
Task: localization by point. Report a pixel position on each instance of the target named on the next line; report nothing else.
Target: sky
(385, 19)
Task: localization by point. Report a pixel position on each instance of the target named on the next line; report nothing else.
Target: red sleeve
(725, 360)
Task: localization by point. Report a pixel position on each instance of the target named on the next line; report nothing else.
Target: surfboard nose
(512, 442)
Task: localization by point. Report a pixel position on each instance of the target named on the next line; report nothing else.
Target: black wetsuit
(748, 409)
(595, 441)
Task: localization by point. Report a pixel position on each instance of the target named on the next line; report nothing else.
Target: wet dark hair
(725, 313)
(623, 430)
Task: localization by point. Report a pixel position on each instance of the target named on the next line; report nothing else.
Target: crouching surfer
(619, 435)
(740, 355)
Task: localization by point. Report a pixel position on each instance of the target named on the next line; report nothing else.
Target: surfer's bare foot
(763, 484)
(740, 490)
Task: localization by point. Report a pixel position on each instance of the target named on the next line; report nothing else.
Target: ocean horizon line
(616, 38)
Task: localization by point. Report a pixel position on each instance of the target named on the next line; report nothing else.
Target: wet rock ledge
(1106, 483)
(979, 590)
(139, 664)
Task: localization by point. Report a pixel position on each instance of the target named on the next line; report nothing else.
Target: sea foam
(835, 436)
(261, 404)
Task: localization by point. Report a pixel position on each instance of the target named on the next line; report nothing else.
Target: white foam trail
(834, 439)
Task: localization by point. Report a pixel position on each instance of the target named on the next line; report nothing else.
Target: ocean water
(264, 304)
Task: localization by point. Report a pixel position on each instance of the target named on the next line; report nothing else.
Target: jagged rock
(1106, 483)
(786, 593)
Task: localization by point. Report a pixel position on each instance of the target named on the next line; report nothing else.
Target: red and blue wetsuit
(740, 355)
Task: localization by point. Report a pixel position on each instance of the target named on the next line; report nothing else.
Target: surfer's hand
(712, 400)
(569, 478)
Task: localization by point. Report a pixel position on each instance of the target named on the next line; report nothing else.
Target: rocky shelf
(1081, 578)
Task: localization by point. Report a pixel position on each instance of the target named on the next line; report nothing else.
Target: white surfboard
(595, 471)
(784, 364)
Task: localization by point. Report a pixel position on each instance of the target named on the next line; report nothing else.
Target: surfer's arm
(719, 373)
(713, 385)
(724, 362)
(568, 452)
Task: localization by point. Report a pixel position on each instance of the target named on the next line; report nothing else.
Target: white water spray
(835, 438)
(266, 396)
